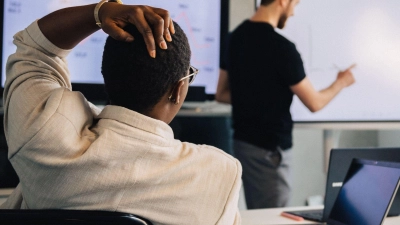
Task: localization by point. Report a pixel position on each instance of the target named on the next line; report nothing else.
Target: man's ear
(177, 92)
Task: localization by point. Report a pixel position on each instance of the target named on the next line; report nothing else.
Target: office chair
(68, 217)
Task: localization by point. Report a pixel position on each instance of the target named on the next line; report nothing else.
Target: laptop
(367, 193)
(339, 162)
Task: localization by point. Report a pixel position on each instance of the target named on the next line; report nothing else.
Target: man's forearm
(326, 95)
(67, 27)
(223, 93)
(312, 99)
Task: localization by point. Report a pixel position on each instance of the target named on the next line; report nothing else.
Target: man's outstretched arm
(67, 27)
(316, 100)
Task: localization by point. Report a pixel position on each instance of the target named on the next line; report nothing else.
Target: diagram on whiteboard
(199, 19)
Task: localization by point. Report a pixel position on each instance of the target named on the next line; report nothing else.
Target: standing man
(264, 71)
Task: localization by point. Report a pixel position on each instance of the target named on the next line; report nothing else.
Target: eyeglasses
(192, 74)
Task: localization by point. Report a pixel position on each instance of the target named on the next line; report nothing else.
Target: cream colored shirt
(123, 162)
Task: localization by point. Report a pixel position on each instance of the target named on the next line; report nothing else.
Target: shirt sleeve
(36, 77)
(231, 214)
(291, 65)
(224, 53)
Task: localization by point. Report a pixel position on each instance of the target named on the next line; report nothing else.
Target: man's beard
(282, 20)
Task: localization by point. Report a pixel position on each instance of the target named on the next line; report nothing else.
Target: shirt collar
(265, 24)
(137, 120)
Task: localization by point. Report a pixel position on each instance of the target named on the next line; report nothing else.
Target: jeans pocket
(273, 158)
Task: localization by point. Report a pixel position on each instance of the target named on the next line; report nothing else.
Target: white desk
(199, 109)
(205, 109)
(272, 217)
(4, 193)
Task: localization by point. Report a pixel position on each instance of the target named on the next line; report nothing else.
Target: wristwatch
(97, 8)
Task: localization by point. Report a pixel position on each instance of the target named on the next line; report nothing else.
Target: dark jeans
(266, 175)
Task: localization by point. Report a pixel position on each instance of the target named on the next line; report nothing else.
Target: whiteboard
(335, 34)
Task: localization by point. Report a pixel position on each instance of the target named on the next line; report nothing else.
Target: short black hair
(136, 81)
(266, 2)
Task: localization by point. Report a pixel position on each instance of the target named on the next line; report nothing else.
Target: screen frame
(96, 92)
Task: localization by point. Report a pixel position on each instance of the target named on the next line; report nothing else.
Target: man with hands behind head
(69, 154)
(264, 71)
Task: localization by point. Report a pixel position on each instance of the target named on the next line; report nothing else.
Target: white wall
(388, 138)
(239, 10)
(308, 165)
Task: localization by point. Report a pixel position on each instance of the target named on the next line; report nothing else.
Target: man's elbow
(222, 97)
(218, 97)
(315, 107)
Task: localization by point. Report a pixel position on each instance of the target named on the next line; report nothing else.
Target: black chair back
(69, 217)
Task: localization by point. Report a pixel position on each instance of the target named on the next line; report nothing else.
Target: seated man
(70, 155)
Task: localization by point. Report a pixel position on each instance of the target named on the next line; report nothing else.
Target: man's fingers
(117, 32)
(144, 28)
(154, 24)
(159, 20)
(172, 27)
(167, 33)
(351, 67)
(168, 25)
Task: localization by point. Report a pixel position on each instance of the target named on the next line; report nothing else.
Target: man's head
(286, 9)
(138, 82)
(287, 12)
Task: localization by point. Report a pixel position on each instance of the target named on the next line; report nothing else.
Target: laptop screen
(366, 194)
(340, 161)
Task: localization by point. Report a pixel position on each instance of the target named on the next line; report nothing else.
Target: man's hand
(154, 24)
(67, 27)
(346, 77)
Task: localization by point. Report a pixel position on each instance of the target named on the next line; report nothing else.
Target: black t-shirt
(262, 66)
